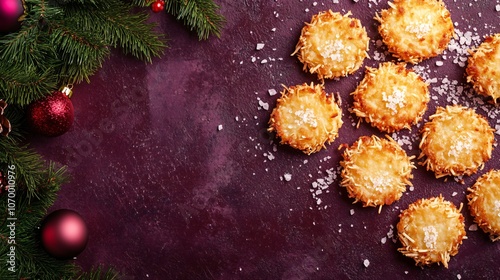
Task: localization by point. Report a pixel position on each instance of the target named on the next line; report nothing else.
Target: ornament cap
(67, 90)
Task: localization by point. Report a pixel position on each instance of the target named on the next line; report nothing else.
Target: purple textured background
(167, 195)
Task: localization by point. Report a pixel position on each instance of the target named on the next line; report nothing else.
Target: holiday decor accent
(53, 115)
(200, 15)
(58, 43)
(3, 183)
(64, 234)
(158, 6)
(11, 15)
(5, 126)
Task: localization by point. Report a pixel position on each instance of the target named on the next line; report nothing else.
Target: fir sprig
(100, 273)
(117, 28)
(35, 186)
(199, 15)
(61, 42)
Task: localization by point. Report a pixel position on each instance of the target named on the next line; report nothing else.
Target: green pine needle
(36, 185)
(199, 15)
(117, 27)
(99, 274)
(66, 41)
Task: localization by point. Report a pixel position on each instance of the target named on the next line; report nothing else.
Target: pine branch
(26, 47)
(31, 172)
(82, 2)
(36, 186)
(99, 274)
(142, 3)
(199, 15)
(61, 42)
(82, 52)
(118, 27)
(22, 84)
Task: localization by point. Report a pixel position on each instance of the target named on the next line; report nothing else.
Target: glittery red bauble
(10, 14)
(158, 6)
(64, 234)
(52, 115)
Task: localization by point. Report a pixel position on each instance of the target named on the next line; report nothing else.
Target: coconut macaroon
(414, 30)
(431, 230)
(375, 171)
(484, 203)
(391, 97)
(332, 45)
(306, 118)
(483, 69)
(456, 141)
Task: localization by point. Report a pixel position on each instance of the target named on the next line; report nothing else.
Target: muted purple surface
(167, 195)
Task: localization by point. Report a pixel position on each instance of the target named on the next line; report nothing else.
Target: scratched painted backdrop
(177, 178)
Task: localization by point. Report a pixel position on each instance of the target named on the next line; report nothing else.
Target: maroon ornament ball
(11, 13)
(64, 234)
(51, 116)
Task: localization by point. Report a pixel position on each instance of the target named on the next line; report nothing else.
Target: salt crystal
(497, 8)
(383, 240)
(439, 63)
(497, 127)
(459, 276)
(269, 156)
(287, 177)
(259, 46)
(366, 263)
(351, 212)
(272, 92)
(473, 227)
(264, 105)
(264, 61)
(220, 127)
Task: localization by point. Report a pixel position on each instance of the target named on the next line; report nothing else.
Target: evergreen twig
(99, 274)
(117, 27)
(36, 185)
(199, 15)
(61, 42)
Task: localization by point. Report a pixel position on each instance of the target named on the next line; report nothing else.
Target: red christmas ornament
(158, 6)
(11, 15)
(64, 234)
(52, 115)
